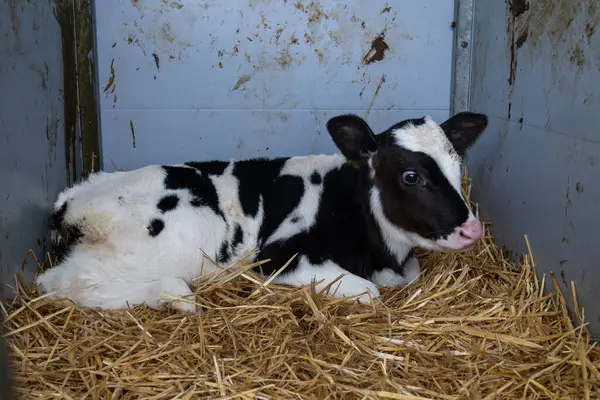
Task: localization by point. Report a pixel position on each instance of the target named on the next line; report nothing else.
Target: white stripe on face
(430, 139)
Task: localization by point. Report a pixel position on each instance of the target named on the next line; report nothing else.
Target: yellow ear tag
(352, 163)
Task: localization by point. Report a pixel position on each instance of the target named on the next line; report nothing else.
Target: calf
(126, 237)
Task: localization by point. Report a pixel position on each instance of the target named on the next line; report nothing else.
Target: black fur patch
(256, 177)
(200, 186)
(238, 236)
(315, 178)
(280, 199)
(155, 227)
(227, 247)
(168, 203)
(66, 235)
(224, 254)
(58, 217)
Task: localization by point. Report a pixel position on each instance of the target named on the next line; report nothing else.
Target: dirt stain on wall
(284, 59)
(52, 133)
(111, 78)
(516, 38)
(577, 57)
(377, 51)
(157, 36)
(138, 4)
(174, 4)
(241, 81)
(43, 73)
(377, 89)
(564, 22)
(569, 26)
(156, 61)
(313, 10)
(14, 18)
(320, 56)
(132, 132)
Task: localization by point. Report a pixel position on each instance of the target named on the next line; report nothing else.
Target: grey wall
(189, 80)
(536, 170)
(32, 150)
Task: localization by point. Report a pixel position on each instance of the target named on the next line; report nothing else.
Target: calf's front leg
(306, 273)
(86, 289)
(390, 278)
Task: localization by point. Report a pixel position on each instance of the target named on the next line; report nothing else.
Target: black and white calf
(128, 237)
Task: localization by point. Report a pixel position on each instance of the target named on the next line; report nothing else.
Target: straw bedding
(477, 327)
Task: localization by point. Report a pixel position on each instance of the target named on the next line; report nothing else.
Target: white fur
(121, 262)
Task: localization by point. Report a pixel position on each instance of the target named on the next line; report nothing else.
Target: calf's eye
(410, 178)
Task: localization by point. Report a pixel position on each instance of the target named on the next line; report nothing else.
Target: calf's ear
(463, 129)
(353, 136)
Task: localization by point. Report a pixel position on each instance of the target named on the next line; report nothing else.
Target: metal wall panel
(185, 80)
(32, 148)
(535, 72)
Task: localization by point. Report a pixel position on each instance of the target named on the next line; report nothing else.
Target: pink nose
(470, 233)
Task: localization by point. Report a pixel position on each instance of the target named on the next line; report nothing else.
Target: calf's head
(414, 170)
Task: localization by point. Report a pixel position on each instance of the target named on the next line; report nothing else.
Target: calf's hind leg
(117, 294)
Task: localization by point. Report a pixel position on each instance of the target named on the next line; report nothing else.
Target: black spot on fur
(196, 202)
(224, 254)
(295, 219)
(200, 186)
(65, 236)
(168, 203)
(155, 227)
(315, 178)
(238, 236)
(256, 177)
(209, 167)
(225, 251)
(58, 217)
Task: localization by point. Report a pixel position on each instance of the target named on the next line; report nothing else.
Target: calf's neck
(126, 238)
